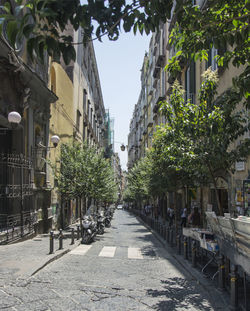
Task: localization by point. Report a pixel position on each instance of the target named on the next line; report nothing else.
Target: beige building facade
(233, 187)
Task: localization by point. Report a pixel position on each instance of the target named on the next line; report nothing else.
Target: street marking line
(81, 250)
(107, 251)
(134, 253)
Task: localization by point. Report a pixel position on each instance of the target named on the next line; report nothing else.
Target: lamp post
(122, 147)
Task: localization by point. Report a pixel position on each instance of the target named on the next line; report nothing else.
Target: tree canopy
(84, 172)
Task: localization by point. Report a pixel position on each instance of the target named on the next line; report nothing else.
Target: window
(190, 82)
(212, 59)
(78, 118)
(85, 101)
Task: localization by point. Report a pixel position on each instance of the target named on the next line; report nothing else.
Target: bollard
(78, 232)
(51, 242)
(167, 235)
(72, 236)
(193, 250)
(221, 269)
(60, 239)
(185, 245)
(179, 244)
(171, 237)
(164, 232)
(234, 288)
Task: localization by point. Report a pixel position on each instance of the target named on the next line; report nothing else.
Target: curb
(54, 259)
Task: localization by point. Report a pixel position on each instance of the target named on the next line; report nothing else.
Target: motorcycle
(89, 229)
(100, 223)
(107, 220)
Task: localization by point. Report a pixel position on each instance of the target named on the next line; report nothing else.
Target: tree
(84, 173)
(138, 182)
(196, 141)
(218, 23)
(104, 188)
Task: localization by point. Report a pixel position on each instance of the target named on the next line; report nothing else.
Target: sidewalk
(24, 259)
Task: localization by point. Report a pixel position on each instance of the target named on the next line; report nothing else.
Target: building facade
(78, 115)
(156, 86)
(24, 194)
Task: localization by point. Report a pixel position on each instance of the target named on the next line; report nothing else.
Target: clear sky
(119, 64)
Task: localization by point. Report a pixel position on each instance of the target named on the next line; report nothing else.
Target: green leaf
(235, 23)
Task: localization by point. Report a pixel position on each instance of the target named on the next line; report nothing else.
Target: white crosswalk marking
(134, 253)
(81, 250)
(107, 251)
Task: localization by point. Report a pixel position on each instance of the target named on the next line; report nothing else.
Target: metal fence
(16, 193)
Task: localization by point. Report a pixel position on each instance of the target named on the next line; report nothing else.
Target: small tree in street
(197, 139)
(84, 173)
(138, 182)
(104, 187)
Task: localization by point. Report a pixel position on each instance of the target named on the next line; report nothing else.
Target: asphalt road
(125, 269)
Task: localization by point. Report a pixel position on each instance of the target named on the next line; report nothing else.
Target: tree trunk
(216, 190)
(201, 205)
(80, 213)
(62, 213)
(175, 212)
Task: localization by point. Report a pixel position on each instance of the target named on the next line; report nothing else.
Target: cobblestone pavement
(21, 260)
(125, 269)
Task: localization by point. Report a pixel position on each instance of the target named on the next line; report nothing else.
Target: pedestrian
(194, 217)
(184, 217)
(171, 216)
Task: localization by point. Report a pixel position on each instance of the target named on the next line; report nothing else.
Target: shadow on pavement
(178, 294)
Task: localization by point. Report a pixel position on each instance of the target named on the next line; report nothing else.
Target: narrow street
(125, 269)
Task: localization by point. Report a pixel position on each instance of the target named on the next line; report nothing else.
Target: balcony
(160, 60)
(156, 73)
(158, 100)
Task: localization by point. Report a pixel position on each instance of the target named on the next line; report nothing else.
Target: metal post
(51, 242)
(164, 231)
(194, 254)
(60, 239)
(167, 233)
(72, 236)
(185, 245)
(221, 268)
(171, 237)
(179, 244)
(234, 288)
(21, 193)
(78, 232)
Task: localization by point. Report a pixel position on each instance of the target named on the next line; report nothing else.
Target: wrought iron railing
(11, 227)
(16, 218)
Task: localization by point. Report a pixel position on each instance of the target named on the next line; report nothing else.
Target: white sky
(119, 64)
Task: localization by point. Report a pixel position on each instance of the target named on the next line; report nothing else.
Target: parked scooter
(108, 218)
(89, 229)
(100, 222)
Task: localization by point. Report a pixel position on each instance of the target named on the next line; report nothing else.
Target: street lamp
(14, 119)
(122, 147)
(55, 140)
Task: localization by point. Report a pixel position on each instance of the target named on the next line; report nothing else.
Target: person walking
(171, 216)
(184, 217)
